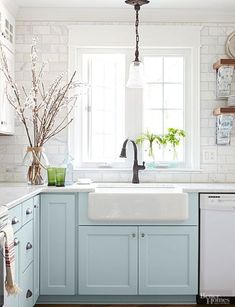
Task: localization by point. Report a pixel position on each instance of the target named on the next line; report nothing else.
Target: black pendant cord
(137, 8)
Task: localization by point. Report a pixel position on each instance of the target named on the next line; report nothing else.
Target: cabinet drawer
(26, 246)
(27, 211)
(15, 217)
(26, 296)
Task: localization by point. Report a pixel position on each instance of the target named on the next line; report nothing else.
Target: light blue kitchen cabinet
(22, 221)
(57, 255)
(36, 239)
(26, 246)
(108, 260)
(26, 284)
(168, 260)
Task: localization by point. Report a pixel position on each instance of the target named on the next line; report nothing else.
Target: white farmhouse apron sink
(138, 203)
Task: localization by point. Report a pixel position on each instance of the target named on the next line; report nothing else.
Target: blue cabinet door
(36, 238)
(26, 295)
(108, 260)
(168, 260)
(57, 237)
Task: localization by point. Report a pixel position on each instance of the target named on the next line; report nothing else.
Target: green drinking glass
(60, 176)
(51, 176)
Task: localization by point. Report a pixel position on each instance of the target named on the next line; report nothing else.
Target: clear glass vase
(36, 161)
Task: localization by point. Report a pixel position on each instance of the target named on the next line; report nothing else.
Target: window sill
(155, 170)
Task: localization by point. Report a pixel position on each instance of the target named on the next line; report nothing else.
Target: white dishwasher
(217, 246)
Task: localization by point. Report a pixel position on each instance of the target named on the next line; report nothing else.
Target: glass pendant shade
(136, 75)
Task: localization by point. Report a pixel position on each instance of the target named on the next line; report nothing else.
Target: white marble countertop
(12, 194)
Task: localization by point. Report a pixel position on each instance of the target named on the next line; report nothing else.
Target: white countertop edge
(186, 188)
(21, 199)
(45, 189)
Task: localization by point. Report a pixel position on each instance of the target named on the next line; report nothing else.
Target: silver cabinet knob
(16, 242)
(29, 246)
(142, 235)
(29, 211)
(14, 221)
(133, 235)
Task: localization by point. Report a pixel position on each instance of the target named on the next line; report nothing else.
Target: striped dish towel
(10, 285)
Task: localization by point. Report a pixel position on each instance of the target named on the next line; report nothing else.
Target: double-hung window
(102, 121)
(109, 112)
(164, 99)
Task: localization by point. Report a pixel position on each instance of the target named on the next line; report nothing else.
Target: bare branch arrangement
(38, 109)
(44, 111)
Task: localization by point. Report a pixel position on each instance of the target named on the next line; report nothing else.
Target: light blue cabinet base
(57, 263)
(118, 299)
(108, 260)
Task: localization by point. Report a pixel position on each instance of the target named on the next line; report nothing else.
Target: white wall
(53, 37)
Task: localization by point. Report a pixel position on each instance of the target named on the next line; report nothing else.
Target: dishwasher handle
(219, 205)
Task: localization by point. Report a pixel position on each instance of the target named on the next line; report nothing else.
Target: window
(110, 112)
(103, 106)
(164, 100)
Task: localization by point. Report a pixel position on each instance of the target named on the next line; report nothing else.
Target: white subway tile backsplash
(53, 47)
(41, 29)
(200, 178)
(205, 31)
(50, 39)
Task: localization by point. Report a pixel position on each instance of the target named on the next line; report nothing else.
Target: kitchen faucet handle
(141, 167)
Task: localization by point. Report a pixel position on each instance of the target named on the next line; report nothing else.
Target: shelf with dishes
(225, 114)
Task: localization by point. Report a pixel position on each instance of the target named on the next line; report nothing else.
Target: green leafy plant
(151, 139)
(173, 138)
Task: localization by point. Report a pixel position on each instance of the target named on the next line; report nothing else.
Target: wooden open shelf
(224, 110)
(224, 62)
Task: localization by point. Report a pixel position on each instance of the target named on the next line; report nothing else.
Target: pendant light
(136, 72)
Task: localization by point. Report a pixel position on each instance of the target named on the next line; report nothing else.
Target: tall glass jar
(36, 160)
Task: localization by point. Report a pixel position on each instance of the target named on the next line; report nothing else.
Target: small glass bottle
(69, 170)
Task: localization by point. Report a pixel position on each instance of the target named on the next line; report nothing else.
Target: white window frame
(156, 40)
(78, 152)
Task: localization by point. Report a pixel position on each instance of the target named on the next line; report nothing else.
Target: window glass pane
(104, 109)
(158, 153)
(173, 119)
(97, 122)
(153, 121)
(109, 143)
(96, 72)
(169, 154)
(153, 96)
(173, 96)
(173, 69)
(153, 69)
(97, 146)
(165, 93)
(97, 94)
